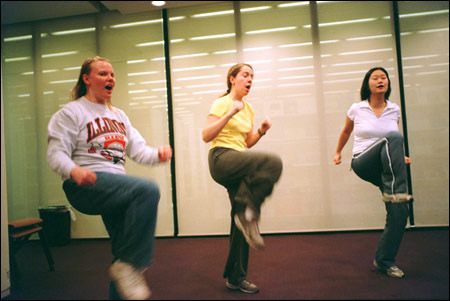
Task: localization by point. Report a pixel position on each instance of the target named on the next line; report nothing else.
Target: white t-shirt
(368, 128)
(92, 136)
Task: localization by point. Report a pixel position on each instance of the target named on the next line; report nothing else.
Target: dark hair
(365, 90)
(80, 88)
(233, 72)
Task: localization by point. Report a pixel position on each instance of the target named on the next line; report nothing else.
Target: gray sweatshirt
(92, 136)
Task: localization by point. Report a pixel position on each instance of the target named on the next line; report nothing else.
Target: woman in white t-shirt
(378, 158)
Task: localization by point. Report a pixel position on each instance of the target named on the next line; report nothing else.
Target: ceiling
(27, 11)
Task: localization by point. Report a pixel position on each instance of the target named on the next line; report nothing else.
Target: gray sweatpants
(383, 164)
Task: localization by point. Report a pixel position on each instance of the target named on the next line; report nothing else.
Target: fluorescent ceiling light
(198, 77)
(271, 30)
(296, 68)
(296, 45)
(244, 10)
(366, 51)
(189, 55)
(295, 58)
(72, 68)
(194, 68)
(59, 54)
(420, 57)
(225, 51)
(153, 82)
(343, 22)
(18, 38)
(433, 30)
(158, 3)
(136, 23)
(257, 48)
(357, 63)
(65, 32)
(294, 4)
(370, 37)
(63, 81)
(136, 61)
(142, 73)
(297, 77)
(427, 13)
(17, 59)
(137, 91)
(216, 36)
(347, 72)
(177, 18)
(217, 13)
(150, 44)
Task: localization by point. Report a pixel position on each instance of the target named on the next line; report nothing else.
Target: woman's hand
(265, 125)
(83, 176)
(407, 160)
(237, 106)
(164, 153)
(337, 158)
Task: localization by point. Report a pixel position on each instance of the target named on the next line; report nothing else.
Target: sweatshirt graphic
(93, 136)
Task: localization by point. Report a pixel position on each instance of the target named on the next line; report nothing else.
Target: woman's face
(243, 80)
(378, 82)
(100, 81)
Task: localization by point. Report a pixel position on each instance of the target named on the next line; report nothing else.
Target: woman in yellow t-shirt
(249, 177)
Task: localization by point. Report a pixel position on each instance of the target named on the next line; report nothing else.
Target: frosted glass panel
(352, 41)
(20, 121)
(424, 42)
(134, 44)
(202, 49)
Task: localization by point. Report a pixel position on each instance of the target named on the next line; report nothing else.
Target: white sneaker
(130, 282)
(250, 230)
(392, 271)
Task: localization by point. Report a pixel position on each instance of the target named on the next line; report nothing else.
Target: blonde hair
(80, 88)
(233, 72)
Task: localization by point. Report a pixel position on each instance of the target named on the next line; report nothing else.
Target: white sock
(249, 214)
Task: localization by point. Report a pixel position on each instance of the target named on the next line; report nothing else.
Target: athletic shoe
(392, 271)
(250, 231)
(245, 286)
(130, 282)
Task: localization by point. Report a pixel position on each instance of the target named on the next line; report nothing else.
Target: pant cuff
(396, 197)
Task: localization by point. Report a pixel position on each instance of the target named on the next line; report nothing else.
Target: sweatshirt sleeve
(62, 139)
(137, 148)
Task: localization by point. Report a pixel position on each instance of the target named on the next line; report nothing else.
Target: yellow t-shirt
(234, 133)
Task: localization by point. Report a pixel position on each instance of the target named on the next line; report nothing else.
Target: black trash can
(56, 224)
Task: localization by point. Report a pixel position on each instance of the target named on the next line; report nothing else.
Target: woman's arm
(215, 124)
(343, 138)
(253, 138)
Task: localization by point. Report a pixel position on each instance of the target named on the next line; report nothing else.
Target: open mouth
(108, 87)
(380, 86)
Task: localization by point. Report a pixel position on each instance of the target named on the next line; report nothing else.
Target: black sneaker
(250, 231)
(245, 286)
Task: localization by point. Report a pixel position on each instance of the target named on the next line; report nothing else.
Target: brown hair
(233, 72)
(80, 88)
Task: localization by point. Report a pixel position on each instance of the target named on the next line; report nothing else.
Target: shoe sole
(245, 233)
(237, 287)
